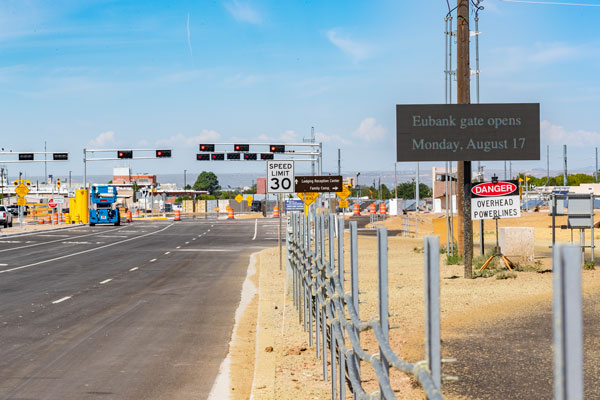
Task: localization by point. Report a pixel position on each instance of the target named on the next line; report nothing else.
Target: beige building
(438, 184)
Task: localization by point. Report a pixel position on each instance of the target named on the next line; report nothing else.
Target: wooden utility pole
(463, 80)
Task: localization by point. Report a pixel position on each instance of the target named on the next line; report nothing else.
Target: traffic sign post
(280, 176)
(21, 190)
(495, 200)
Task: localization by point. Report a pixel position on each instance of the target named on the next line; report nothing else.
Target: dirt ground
(285, 366)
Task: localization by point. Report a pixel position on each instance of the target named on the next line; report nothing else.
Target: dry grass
(465, 305)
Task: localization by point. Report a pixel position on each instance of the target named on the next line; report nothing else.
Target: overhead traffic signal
(207, 147)
(233, 156)
(277, 148)
(202, 157)
(125, 154)
(218, 156)
(25, 156)
(241, 147)
(249, 156)
(60, 156)
(163, 153)
(266, 156)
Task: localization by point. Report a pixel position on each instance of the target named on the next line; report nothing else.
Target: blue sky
(129, 74)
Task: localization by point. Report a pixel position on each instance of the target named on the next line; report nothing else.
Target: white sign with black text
(280, 176)
(490, 200)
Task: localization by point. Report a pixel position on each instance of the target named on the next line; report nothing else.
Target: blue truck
(103, 209)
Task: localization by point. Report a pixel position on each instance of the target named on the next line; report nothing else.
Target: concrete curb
(40, 231)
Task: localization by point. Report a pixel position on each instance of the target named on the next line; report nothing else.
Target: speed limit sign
(280, 176)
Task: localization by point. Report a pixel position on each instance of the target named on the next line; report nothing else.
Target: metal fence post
(354, 285)
(330, 283)
(341, 276)
(432, 309)
(309, 288)
(317, 302)
(383, 295)
(324, 294)
(568, 323)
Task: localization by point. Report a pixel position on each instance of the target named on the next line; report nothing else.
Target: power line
(551, 3)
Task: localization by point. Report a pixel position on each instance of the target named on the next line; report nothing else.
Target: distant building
(439, 178)
(123, 176)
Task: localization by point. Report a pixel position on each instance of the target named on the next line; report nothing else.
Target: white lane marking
(207, 231)
(54, 241)
(220, 389)
(219, 250)
(255, 229)
(54, 235)
(212, 226)
(133, 269)
(168, 252)
(61, 300)
(3, 265)
(193, 238)
(10, 241)
(76, 243)
(106, 281)
(84, 251)
(154, 259)
(113, 236)
(178, 247)
(187, 242)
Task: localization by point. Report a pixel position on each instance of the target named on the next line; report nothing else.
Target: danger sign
(490, 200)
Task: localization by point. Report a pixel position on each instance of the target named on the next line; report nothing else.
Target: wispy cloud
(243, 12)
(322, 137)
(206, 135)
(512, 59)
(103, 139)
(556, 134)
(286, 137)
(241, 80)
(369, 130)
(189, 36)
(357, 51)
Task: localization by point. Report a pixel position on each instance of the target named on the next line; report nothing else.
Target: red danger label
(493, 189)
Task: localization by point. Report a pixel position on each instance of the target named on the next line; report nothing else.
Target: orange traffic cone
(41, 221)
(276, 212)
(356, 210)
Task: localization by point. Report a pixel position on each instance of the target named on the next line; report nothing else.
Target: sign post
(280, 180)
(495, 200)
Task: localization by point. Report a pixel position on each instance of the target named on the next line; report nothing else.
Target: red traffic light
(277, 148)
(241, 147)
(125, 154)
(163, 153)
(207, 147)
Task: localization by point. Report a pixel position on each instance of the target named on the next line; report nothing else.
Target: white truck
(6, 218)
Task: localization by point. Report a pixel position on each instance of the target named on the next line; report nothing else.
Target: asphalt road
(142, 311)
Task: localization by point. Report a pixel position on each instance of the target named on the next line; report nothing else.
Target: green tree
(406, 190)
(251, 190)
(207, 181)
(135, 188)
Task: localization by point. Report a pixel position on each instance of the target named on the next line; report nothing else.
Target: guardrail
(323, 307)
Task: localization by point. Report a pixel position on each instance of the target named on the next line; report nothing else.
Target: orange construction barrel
(177, 215)
(373, 208)
(230, 213)
(356, 210)
(129, 216)
(276, 212)
(382, 209)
